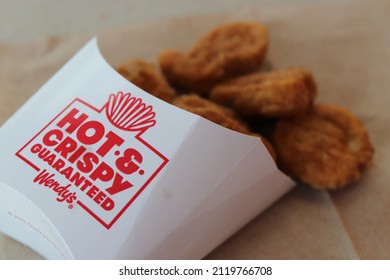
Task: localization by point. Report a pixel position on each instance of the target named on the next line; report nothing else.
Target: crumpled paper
(345, 44)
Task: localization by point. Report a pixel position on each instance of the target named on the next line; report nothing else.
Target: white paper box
(92, 167)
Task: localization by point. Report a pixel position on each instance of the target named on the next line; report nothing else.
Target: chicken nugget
(327, 147)
(148, 77)
(195, 101)
(220, 115)
(211, 111)
(223, 53)
(278, 93)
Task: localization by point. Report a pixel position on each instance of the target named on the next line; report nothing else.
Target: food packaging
(93, 167)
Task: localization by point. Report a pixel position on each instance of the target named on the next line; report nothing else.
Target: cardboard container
(92, 167)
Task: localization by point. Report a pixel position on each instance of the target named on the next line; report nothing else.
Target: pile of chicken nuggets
(220, 79)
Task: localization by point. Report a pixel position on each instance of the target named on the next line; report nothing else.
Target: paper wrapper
(111, 172)
(344, 43)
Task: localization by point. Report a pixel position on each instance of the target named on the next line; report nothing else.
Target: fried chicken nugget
(211, 111)
(220, 115)
(223, 53)
(327, 147)
(278, 93)
(148, 77)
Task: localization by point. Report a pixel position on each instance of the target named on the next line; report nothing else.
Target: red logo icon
(101, 165)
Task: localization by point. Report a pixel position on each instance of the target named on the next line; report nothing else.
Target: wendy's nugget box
(92, 167)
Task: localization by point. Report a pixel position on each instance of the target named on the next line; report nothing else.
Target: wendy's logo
(96, 158)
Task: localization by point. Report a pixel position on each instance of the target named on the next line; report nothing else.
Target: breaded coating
(220, 115)
(278, 93)
(211, 111)
(195, 101)
(327, 147)
(225, 52)
(148, 77)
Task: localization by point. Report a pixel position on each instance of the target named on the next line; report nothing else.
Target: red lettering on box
(96, 157)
